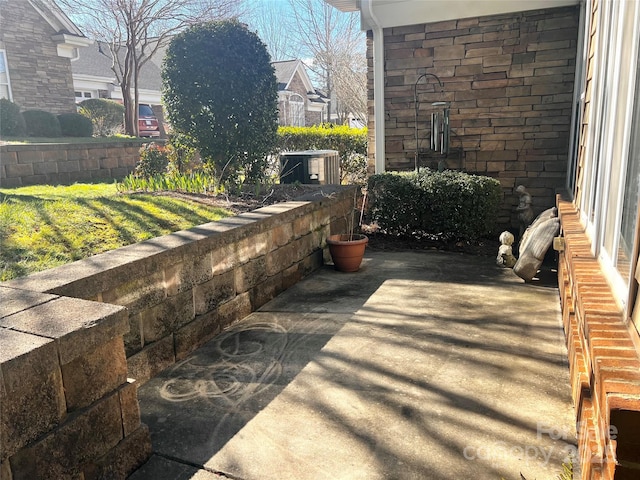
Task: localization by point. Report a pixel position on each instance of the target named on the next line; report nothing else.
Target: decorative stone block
(128, 395)
(265, 291)
(234, 310)
(280, 259)
(78, 326)
(167, 317)
(250, 274)
(224, 258)
(216, 291)
(81, 439)
(14, 301)
(89, 377)
(31, 392)
(138, 293)
(122, 460)
(196, 333)
(151, 360)
(133, 341)
(281, 235)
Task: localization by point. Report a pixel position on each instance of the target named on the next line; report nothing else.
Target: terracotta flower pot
(347, 251)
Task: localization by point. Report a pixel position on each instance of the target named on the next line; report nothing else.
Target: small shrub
(41, 124)
(446, 204)
(11, 119)
(351, 143)
(75, 125)
(107, 116)
(153, 161)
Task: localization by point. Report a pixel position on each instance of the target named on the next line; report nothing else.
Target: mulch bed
(252, 198)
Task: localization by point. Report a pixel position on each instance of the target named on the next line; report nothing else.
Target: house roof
(96, 60)
(56, 17)
(285, 70)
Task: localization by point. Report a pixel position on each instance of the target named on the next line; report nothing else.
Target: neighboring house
(38, 44)
(94, 78)
(299, 103)
(544, 93)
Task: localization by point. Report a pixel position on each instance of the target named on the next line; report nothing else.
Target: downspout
(378, 84)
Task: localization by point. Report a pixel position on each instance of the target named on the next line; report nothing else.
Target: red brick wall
(604, 360)
(509, 79)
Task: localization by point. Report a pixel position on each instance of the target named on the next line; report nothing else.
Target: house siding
(40, 79)
(603, 342)
(509, 79)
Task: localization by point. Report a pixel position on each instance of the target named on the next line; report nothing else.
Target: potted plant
(347, 249)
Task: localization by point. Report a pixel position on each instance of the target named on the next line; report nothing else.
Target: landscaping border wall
(77, 339)
(64, 163)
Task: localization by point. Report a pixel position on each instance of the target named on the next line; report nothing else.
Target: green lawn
(43, 226)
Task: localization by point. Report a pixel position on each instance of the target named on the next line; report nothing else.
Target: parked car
(147, 122)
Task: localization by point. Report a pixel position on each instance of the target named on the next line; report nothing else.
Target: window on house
(626, 233)
(5, 85)
(82, 95)
(610, 183)
(296, 110)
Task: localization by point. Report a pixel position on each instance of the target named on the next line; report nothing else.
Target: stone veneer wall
(604, 360)
(509, 79)
(66, 163)
(71, 336)
(40, 79)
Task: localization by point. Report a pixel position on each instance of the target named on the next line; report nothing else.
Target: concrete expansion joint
(222, 475)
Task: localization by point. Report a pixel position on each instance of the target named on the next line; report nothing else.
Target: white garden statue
(505, 256)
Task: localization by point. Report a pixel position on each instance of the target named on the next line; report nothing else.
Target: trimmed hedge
(11, 119)
(445, 204)
(41, 124)
(106, 115)
(351, 143)
(75, 125)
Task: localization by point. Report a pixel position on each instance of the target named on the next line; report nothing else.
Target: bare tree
(350, 85)
(135, 30)
(337, 46)
(273, 28)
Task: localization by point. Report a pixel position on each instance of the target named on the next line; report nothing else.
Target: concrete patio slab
(422, 365)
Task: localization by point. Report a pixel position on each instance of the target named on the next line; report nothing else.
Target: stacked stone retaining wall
(77, 339)
(51, 164)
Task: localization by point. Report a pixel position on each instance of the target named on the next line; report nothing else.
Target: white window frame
(603, 186)
(623, 103)
(92, 94)
(579, 98)
(3, 54)
(296, 110)
(591, 195)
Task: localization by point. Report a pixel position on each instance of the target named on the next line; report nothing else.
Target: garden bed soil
(252, 198)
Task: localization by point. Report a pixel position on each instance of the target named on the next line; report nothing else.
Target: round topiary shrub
(220, 90)
(11, 119)
(107, 116)
(41, 124)
(75, 125)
